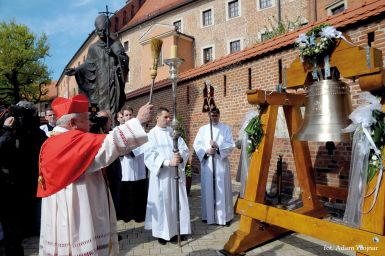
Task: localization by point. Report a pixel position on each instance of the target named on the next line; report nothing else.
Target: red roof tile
(350, 16)
(153, 8)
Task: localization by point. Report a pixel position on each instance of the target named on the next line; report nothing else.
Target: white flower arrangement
(317, 42)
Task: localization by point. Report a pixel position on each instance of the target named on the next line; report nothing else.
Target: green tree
(22, 69)
(277, 28)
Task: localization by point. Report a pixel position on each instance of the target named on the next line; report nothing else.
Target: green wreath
(255, 132)
(313, 46)
(378, 136)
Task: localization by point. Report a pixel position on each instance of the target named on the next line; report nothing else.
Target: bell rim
(323, 137)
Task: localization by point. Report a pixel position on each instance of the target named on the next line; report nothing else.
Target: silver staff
(174, 64)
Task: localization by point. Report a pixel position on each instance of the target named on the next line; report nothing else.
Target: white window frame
(202, 53)
(212, 17)
(181, 24)
(273, 3)
(240, 39)
(227, 9)
(335, 5)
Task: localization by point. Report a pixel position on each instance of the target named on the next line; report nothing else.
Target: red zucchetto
(77, 104)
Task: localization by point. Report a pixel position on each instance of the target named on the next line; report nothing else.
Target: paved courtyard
(206, 239)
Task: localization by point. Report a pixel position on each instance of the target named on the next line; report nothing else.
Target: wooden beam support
(297, 75)
(322, 229)
(302, 160)
(345, 54)
(260, 223)
(247, 236)
(262, 97)
(241, 241)
(332, 192)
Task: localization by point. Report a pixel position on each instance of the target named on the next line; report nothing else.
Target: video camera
(98, 122)
(25, 115)
(20, 111)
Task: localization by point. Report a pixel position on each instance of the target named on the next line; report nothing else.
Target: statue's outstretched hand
(69, 71)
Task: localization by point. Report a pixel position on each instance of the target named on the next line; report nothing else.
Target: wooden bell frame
(260, 223)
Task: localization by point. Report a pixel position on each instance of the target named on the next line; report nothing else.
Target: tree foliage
(279, 27)
(22, 69)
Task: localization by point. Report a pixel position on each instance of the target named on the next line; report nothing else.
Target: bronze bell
(328, 106)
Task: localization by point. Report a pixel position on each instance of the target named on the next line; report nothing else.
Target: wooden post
(251, 232)
(260, 223)
(302, 161)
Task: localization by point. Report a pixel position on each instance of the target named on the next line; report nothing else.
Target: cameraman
(20, 142)
(101, 122)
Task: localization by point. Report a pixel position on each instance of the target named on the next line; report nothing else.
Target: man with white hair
(78, 216)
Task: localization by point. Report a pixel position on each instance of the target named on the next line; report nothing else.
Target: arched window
(116, 24)
(124, 18)
(132, 10)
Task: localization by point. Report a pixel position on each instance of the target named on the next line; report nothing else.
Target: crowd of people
(86, 181)
(90, 169)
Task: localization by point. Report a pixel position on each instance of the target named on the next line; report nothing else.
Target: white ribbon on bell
(330, 32)
(362, 119)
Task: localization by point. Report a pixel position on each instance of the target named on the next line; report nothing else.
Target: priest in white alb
(219, 211)
(78, 215)
(159, 158)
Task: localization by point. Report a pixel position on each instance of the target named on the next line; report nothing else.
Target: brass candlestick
(174, 64)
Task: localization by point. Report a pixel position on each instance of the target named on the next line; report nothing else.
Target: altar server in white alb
(220, 147)
(161, 161)
(133, 193)
(77, 213)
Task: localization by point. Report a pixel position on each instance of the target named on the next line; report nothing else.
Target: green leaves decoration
(255, 132)
(313, 46)
(378, 137)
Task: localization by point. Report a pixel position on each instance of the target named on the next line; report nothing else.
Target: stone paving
(206, 239)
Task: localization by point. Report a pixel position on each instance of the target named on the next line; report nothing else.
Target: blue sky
(66, 23)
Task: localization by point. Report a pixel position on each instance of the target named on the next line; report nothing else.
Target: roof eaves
(154, 15)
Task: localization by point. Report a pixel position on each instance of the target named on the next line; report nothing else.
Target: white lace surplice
(80, 219)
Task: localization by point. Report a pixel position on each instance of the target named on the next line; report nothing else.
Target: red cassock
(64, 157)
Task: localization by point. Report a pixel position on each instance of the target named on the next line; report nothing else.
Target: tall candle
(174, 50)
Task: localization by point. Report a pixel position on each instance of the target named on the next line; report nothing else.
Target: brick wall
(332, 169)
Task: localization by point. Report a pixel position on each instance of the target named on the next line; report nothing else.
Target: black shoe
(162, 241)
(119, 237)
(174, 239)
(228, 223)
(204, 221)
